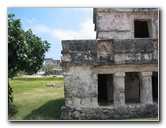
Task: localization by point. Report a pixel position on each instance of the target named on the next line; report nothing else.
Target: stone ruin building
(116, 74)
(56, 68)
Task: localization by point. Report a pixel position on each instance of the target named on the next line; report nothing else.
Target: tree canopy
(26, 51)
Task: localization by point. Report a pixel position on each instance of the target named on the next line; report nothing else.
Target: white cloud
(86, 30)
(41, 28)
(32, 21)
(64, 34)
(28, 23)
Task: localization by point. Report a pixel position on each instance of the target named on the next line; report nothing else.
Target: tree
(26, 51)
(48, 67)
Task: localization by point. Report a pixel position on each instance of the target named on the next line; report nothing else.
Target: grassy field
(34, 101)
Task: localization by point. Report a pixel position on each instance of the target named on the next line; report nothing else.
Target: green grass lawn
(34, 101)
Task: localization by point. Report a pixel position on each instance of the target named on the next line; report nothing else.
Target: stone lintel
(146, 74)
(119, 74)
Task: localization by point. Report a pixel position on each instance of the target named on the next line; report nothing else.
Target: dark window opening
(155, 86)
(105, 89)
(132, 88)
(141, 29)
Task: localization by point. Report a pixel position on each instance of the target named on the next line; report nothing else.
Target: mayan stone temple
(116, 74)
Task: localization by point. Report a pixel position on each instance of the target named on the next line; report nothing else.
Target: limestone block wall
(129, 62)
(135, 51)
(120, 58)
(109, 52)
(119, 23)
(107, 112)
(80, 87)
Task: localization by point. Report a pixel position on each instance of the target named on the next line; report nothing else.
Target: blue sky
(56, 24)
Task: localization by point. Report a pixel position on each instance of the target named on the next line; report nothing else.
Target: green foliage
(26, 51)
(48, 67)
(10, 96)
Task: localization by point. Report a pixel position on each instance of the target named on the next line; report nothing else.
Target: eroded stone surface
(81, 87)
(118, 23)
(125, 111)
(110, 52)
(128, 63)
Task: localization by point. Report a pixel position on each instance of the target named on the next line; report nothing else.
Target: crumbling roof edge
(125, 9)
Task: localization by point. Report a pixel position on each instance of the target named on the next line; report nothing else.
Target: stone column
(146, 87)
(119, 88)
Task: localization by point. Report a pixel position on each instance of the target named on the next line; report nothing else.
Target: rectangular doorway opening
(141, 29)
(155, 86)
(132, 88)
(105, 89)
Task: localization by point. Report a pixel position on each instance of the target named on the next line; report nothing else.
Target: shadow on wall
(49, 111)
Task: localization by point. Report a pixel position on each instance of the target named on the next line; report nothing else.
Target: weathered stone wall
(109, 52)
(80, 86)
(106, 112)
(53, 72)
(82, 61)
(78, 52)
(119, 23)
(127, 62)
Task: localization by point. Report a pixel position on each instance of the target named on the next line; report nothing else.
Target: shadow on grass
(12, 110)
(49, 111)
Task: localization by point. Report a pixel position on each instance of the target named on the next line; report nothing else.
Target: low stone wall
(54, 72)
(106, 112)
